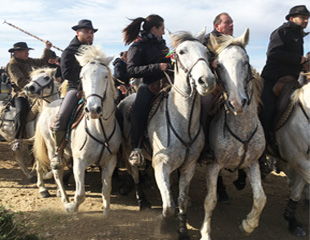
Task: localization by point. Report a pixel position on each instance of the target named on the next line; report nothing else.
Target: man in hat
(284, 62)
(18, 69)
(70, 71)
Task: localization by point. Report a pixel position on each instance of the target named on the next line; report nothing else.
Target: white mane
(89, 53)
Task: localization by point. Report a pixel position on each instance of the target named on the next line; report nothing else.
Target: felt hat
(19, 46)
(84, 23)
(298, 10)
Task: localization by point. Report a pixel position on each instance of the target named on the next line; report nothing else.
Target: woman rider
(146, 60)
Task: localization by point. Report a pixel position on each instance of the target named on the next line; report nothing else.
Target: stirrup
(136, 158)
(56, 162)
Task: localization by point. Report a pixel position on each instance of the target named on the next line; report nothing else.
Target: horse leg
(186, 176)
(210, 200)
(79, 177)
(58, 173)
(221, 190)
(162, 176)
(241, 180)
(259, 199)
(295, 227)
(106, 179)
(19, 156)
(40, 183)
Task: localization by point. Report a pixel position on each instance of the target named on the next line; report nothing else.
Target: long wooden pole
(40, 39)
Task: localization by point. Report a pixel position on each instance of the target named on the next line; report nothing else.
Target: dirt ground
(47, 218)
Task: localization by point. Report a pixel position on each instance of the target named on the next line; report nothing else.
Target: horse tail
(40, 150)
(63, 88)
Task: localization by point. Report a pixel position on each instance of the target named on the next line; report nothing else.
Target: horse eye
(46, 78)
(181, 52)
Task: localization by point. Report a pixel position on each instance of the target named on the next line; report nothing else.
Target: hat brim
(16, 49)
(77, 27)
(295, 14)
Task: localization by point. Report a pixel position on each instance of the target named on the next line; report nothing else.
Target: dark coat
(120, 72)
(70, 67)
(144, 57)
(285, 51)
(18, 70)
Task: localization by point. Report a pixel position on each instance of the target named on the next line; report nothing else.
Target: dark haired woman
(146, 60)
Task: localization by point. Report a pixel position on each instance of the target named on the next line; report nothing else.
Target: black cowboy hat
(298, 10)
(19, 46)
(84, 23)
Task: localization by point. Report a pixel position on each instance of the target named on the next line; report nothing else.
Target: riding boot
(206, 156)
(59, 138)
(139, 114)
(264, 166)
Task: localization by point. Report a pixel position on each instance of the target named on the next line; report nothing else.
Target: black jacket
(144, 57)
(70, 67)
(120, 71)
(285, 51)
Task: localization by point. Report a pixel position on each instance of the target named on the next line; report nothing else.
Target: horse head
(42, 83)
(97, 81)
(233, 69)
(192, 63)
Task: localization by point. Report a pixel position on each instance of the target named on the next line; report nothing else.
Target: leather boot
(59, 137)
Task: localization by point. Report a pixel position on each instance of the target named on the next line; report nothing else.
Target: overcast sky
(52, 20)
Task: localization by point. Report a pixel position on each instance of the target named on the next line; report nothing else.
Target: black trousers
(66, 109)
(266, 114)
(139, 114)
(22, 108)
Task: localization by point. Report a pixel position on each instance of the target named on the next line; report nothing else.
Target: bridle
(51, 84)
(187, 72)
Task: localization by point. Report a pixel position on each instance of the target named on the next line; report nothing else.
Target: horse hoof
(184, 237)
(144, 205)
(223, 197)
(70, 207)
(45, 194)
(298, 232)
(245, 228)
(33, 179)
(239, 184)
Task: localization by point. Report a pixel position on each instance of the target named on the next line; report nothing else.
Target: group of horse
(175, 137)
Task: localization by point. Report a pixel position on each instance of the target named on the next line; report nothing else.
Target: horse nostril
(244, 102)
(86, 110)
(200, 81)
(98, 110)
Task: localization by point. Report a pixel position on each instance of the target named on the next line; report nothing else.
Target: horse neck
(184, 101)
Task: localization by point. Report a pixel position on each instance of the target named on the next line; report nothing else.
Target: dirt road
(47, 217)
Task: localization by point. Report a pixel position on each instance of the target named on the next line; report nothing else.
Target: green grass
(10, 229)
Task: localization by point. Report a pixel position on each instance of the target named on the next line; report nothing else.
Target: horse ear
(109, 59)
(172, 38)
(245, 37)
(201, 35)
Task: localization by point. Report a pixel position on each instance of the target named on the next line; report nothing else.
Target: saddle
(284, 106)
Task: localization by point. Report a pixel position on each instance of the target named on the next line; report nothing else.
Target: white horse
(96, 139)
(293, 140)
(174, 132)
(42, 90)
(236, 135)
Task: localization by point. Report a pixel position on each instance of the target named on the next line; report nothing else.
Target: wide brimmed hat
(84, 23)
(298, 10)
(20, 46)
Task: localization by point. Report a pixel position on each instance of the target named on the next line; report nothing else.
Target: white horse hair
(174, 131)
(96, 139)
(236, 135)
(44, 93)
(293, 143)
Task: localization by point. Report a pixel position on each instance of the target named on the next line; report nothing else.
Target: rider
(146, 60)
(70, 71)
(18, 69)
(223, 24)
(121, 76)
(284, 61)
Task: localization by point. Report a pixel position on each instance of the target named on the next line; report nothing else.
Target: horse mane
(180, 37)
(258, 83)
(218, 44)
(299, 93)
(88, 53)
(47, 70)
